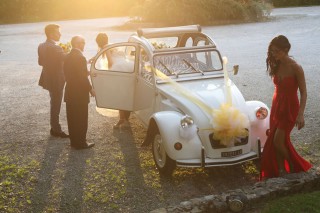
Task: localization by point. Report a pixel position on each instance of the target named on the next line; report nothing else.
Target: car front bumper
(210, 162)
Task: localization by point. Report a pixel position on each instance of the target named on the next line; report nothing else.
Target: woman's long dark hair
(282, 43)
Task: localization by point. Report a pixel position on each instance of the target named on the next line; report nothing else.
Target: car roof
(146, 36)
(168, 31)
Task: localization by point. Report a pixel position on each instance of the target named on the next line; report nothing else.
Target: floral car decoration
(176, 82)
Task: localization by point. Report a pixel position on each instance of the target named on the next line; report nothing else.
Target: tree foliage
(14, 11)
(203, 12)
(290, 3)
(164, 11)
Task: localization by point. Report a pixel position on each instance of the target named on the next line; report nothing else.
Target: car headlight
(187, 128)
(186, 121)
(261, 113)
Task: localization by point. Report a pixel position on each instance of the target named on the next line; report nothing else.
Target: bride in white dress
(114, 60)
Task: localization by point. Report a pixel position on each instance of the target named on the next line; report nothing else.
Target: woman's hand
(90, 60)
(92, 93)
(300, 121)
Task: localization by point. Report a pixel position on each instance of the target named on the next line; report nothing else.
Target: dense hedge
(164, 11)
(14, 11)
(174, 12)
(290, 3)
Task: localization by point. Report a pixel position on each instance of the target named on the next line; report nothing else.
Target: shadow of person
(39, 198)
(134, 174)
(73, 184)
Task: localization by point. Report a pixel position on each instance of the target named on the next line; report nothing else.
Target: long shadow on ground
(40, 197)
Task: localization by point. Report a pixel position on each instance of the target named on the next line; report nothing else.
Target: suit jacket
(78, 85)
(51, 57)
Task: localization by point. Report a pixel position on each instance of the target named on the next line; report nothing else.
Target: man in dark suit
(76, 94)
(51, 57)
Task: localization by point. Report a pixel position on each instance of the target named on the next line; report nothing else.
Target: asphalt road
(24, 106)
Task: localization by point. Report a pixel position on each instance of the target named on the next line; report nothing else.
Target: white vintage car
(175, 81)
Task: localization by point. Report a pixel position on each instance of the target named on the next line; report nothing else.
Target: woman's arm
(109, 57)
(303, 95)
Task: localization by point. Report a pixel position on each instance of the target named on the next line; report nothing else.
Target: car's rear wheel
(163, 162)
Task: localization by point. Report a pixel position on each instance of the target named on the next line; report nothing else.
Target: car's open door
(113, 76)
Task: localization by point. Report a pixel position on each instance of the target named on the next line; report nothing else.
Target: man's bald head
(78, 42)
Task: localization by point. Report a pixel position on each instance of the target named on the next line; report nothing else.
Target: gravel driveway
(117, 175)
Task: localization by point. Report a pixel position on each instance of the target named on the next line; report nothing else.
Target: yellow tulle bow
(228, 122)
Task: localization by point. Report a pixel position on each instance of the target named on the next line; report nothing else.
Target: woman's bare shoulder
(295, 66)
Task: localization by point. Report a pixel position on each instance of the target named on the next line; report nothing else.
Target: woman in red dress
(279, 156)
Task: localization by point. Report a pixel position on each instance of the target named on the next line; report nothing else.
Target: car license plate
(232, 153)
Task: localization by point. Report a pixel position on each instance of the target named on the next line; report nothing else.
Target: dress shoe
(84, 146)
(58, 134)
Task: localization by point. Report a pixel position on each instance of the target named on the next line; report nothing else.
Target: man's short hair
(50, 28)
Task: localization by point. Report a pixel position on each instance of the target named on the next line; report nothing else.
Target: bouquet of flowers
(159, 46)
(66, 47)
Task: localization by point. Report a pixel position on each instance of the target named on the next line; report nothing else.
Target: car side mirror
(235, 69)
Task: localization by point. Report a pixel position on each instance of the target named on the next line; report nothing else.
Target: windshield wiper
(168, 70)
(192, 67)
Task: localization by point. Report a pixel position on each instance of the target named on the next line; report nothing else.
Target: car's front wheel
(163, 162)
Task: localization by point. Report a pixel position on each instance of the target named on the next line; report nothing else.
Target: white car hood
(212, 92)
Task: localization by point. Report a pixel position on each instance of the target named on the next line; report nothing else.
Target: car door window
(145, 67)
(113, 76)
(117, 59)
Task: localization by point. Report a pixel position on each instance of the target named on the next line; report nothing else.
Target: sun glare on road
(107, 112)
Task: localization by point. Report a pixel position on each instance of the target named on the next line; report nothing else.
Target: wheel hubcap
(159, 152)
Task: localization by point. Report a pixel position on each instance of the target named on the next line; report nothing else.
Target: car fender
(168, 123)
(258, 128)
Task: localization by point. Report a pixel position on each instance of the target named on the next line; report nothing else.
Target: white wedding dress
(122, 64)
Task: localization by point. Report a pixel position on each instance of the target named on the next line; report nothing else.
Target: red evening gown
(284, 111)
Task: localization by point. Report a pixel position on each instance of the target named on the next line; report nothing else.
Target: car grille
(238, 141)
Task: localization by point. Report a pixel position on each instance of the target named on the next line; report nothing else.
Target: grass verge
(15, 183)
(308, 202)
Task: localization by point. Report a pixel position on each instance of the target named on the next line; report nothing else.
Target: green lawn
(300, 203)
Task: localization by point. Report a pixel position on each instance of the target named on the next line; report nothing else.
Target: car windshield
(186, 63)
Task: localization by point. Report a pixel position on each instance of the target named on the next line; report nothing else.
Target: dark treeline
(291, 3)
(165, 11)
(204, 12)
(15, 11)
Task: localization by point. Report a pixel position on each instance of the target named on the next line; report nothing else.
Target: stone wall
(241, 200)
